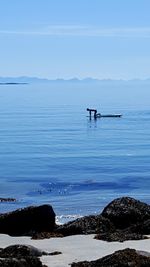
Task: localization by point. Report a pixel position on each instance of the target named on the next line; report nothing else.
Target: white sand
(74, 248)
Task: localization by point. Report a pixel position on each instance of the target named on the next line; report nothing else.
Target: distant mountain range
(28, 80)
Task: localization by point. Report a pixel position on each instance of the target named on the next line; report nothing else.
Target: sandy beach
(74, 248)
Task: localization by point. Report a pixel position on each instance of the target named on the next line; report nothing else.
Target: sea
(51, 152)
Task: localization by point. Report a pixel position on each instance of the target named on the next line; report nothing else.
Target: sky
(104, 39)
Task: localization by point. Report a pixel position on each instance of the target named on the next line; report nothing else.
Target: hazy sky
(75, 38)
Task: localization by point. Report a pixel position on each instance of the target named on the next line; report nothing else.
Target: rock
(127, 214)
(69, 229)
(55, 253)
(18, 251)
(142, 228)
(125, 211)
(119, 236)
(86, 225)
(143, 253)
(22, 262)
(121, 258)
(28, 221)
(44, 235)
(7, 199)
(21, 256)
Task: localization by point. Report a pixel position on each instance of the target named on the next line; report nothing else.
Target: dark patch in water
(64, 188)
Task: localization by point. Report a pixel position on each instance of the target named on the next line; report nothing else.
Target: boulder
(22, 262)
(120, 236)
(121, 258)
(28, 221)
(86, 225)
(142, 228)
(19, 251)
(124, 212)
(21, 256)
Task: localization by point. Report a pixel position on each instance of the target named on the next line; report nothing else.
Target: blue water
(50, 152)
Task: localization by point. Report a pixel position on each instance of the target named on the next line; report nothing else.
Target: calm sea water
(50, 152)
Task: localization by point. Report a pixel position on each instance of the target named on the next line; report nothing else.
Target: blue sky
(75, 38)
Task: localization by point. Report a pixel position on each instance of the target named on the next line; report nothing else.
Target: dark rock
(69, 229)
(21, 256)
(44, 235)
(18, 251)
(22, 262)
(119, 236)
(121, 258)
(7, 199)
(28, 221)
(55, 253)
(86, 225)
(141, 228)
(125, 211)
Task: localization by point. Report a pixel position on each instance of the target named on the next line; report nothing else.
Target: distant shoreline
(11, 83)
(29, 80)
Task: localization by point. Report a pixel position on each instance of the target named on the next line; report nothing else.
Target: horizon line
(83, 31)
(73, 78)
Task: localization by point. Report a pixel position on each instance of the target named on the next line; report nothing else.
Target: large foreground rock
(28, 221)
(121, 258)
(22, 262)
(125, 211)
(123, 219)
(20, 256)
(19, 251)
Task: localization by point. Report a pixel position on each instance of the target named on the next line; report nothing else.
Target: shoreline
(123, 223)
(74, 248)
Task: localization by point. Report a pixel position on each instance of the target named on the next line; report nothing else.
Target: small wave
(61, 219)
